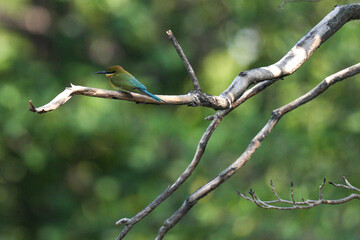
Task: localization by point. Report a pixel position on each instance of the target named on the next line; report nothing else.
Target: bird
(122, 80)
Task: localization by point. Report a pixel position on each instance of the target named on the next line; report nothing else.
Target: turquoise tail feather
(151, 95)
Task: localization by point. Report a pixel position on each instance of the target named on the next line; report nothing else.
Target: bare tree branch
(216, 119)
(286, 66)
(185, 60)
(129, 223)
(292, 192)
(304, 204)
(193, 98)
(257, 88)
(253, 146)
(301, 52)
(320, 189)
(190, 99)
(347, 186)
(230, 99)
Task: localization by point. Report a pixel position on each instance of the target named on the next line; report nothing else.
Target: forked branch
(298, 55)
(236, 94)
(253, 146)
(303, 204)
(347, 186)
(130, 222)
(216, 119)
(194, 98)
(293, 61)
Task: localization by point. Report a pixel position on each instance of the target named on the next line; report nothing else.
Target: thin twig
(304, 204)
(320, 189)
(273, 190)
(292, 192)
(253, 146)
(347, 186)
(186, 62)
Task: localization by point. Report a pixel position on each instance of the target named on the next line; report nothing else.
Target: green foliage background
(71, 173)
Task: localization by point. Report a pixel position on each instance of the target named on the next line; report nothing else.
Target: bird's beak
(102, 72)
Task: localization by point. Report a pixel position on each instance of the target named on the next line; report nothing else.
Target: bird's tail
(152, 95)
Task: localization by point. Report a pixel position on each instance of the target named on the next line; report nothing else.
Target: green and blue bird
(122, 80)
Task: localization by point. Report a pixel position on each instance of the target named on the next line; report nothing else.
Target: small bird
(122, 80)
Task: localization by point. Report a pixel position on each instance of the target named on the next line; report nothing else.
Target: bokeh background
(71, 173)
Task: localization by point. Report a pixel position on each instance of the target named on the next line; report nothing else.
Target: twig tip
(31, 106)
(169, 33)
(210, 118)
(240, 194)
(121, 221)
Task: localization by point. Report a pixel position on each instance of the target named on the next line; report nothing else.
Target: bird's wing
(127, 82)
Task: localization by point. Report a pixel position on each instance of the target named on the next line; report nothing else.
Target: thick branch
(298, 54)
(191, 99)
(253, 146)
(304, 204)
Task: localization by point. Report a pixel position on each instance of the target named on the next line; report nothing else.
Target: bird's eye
(110, 72)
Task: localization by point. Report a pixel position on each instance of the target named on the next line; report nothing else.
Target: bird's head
(111, 71)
